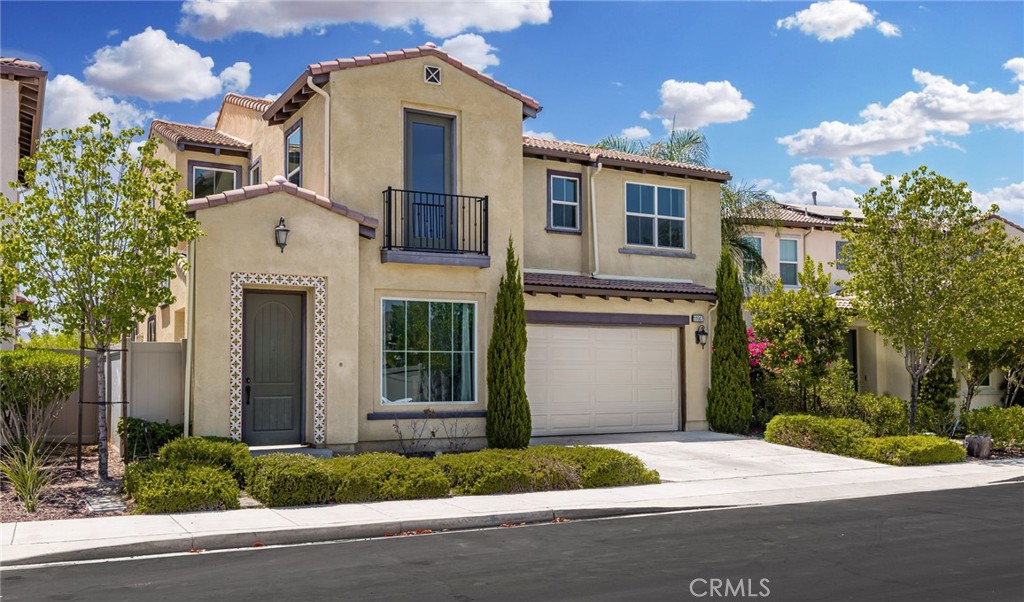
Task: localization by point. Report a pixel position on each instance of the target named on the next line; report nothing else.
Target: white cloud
(1009, 198)
(544, 135)
(150, 65)
(113, 32)
(216, 19)
(473, 50)
(70, 103)
(636, 132)
(694, 105)
(836, 19)
(806, 178)
(211, 119)
(941, 108)
(1016, 66)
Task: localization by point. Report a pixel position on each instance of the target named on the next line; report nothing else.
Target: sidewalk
(701, 470)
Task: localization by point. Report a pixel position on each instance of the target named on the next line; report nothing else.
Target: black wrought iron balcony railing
(435, 222)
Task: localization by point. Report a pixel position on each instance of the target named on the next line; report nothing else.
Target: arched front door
(272, 378)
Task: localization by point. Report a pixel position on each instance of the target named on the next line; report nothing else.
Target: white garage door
(585, 379)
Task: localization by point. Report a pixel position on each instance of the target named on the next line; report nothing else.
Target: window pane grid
(428, 352)
(655, 216)
(564, 202)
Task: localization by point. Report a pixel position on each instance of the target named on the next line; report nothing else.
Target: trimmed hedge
(291, 480)
(232, 456)
(182, 489)
(888, 415)
(1004, 425)
(601, 466)
(911, 450)
(380, 477)
(829, 435)
(143, 438)
(507, 471)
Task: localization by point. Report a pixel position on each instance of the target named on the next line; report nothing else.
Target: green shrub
(837, 391)
(291, 480)
(136, 473)
(772, 396)
(1004, 425)
(886, 414)
(730, 400)
(507, 471)
(28, 470)
(829, 435)
(183, 489)
(600, 466)
(143, 439)
(382, 477)
(911, 450)
(232, 456)
(34, 384)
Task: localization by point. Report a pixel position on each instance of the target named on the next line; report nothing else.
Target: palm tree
(691, 146)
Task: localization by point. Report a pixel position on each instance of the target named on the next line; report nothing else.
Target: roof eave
(695, 174)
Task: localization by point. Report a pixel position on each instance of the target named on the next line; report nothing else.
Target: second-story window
(256, 171)
(209, 179)
(563, 201)
(749, 264)
(655, 216)
(789, 259)
(840, 258)
(293, 153)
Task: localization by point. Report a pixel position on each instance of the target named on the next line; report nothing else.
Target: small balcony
(434, 228)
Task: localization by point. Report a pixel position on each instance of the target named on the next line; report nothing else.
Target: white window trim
(426, 75)
(476, 359)
(797, 263)
(656, 217)
(552, 202)
(256, 165)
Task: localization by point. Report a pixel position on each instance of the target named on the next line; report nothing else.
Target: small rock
(979, 446)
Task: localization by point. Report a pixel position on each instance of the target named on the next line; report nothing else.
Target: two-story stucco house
(787, 234)
(22, 89)
(355, 234)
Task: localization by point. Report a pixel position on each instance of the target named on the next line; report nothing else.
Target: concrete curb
(289, 536)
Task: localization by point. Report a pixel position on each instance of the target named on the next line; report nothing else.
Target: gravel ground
(66, 496)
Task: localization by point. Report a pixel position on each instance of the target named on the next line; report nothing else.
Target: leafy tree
(730, 400)
(806, 329)
(938, 387)
(91, 238)
(975, 366)
(508, 410)
(1013, 370)
(930, 275)
(690, 146)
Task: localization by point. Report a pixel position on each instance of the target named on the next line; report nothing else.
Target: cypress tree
(508, 410)
(730, 401)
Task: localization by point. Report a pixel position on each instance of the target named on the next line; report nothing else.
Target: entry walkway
(700, 470)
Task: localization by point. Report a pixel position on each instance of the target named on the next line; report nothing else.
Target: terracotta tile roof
(368, 225)
(298, 93)
(796, 215)
(7, 61)
(543, 147)
(534, 282)
(248, 102)
(31, 94)
(183, 132)
(843, 302)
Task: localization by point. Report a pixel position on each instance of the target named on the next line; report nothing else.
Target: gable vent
(432, 74)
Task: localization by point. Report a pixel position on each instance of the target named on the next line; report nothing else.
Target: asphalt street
(963, 545)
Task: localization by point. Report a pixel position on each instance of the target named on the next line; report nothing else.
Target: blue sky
(794, 97)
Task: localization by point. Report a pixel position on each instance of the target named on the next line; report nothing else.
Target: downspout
(327, 133)
(594, 158)
(190, 328)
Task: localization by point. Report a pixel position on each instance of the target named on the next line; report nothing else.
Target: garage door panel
(602, 379)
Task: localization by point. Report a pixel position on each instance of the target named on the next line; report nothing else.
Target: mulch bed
(66, 496)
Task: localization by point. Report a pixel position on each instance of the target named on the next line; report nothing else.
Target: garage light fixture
(701, 335)
(281, 234)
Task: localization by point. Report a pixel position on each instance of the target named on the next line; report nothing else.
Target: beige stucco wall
(224, 250)
(819, 244)
(696, 360)
(573, 253)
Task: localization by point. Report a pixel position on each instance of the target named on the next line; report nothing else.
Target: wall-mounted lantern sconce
(281, 234)
(701, 335)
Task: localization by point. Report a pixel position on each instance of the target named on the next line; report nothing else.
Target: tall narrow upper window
(293, 153)
(749, 264)
(211, 180)
(840, 258)
(431, 212)
(789, 258)
(564, 201)
(655, 216)
(256, 172)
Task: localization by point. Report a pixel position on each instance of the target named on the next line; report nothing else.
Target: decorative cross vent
(431, 74)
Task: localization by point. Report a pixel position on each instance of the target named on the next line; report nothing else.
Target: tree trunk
(915, 386)
(101, 412)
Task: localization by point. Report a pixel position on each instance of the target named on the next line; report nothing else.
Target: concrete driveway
(707, 456)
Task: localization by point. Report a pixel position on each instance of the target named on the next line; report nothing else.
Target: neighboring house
(786, 233)
(22, 87)
(355, 234)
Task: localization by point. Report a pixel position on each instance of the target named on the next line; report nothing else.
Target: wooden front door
(272, 378)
